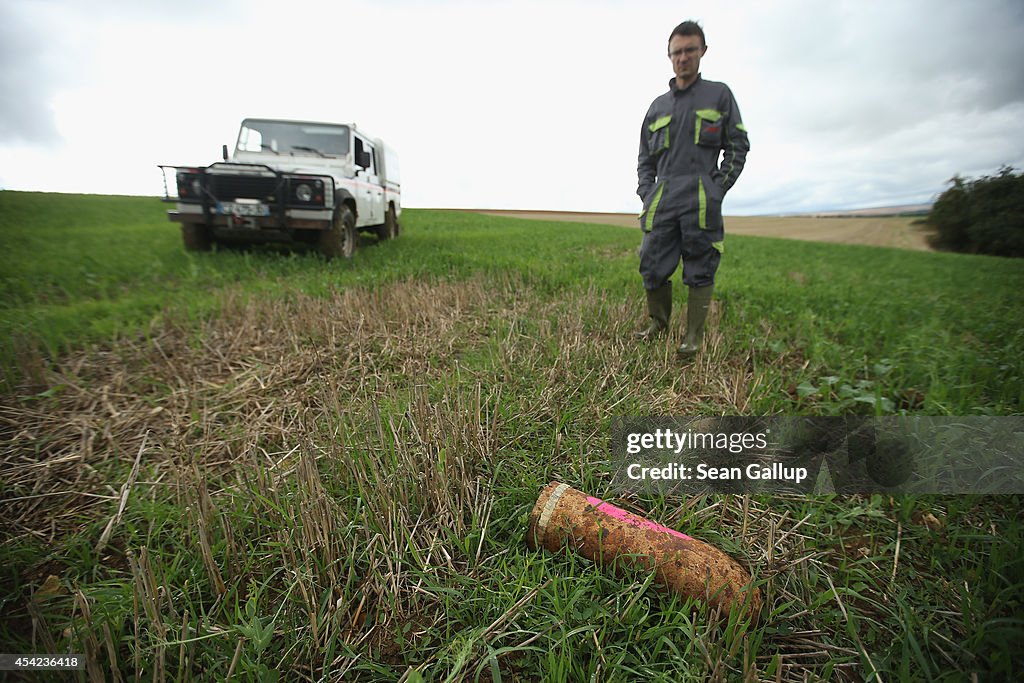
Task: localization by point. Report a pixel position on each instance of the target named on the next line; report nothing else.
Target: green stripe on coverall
(702, 204)
(654, 207)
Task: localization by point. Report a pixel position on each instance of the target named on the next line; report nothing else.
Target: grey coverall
(681, 182)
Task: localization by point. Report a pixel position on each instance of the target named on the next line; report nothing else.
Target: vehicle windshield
(287, 138)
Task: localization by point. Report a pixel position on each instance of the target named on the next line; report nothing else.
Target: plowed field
(885, 231)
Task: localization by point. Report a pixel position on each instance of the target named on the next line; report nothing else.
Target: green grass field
(259, 463)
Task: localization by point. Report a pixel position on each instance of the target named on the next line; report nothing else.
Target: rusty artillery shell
(603, 533)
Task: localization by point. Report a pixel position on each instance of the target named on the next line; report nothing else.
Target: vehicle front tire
(389, 230)
(197, 237)
(340, 240)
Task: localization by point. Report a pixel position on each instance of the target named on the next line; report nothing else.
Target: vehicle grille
(228, 188)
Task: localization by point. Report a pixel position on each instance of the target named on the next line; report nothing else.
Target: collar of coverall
(675, 88)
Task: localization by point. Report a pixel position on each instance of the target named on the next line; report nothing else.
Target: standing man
(682, 185)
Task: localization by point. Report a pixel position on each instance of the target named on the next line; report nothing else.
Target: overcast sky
(519, 104)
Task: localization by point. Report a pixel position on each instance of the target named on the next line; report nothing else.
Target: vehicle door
(376, 188)
(367, 183)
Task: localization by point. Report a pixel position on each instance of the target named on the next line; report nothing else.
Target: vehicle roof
(306, 123)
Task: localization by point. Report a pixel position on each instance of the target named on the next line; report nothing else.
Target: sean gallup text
(703, 472)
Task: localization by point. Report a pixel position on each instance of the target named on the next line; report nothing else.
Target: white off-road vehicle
(290, 181)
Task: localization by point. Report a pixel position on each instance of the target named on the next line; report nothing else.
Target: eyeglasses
(689, 51)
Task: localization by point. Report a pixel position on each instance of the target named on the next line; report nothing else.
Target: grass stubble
(336, 488)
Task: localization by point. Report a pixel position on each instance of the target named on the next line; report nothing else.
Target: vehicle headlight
(189, 185)
(306, 190)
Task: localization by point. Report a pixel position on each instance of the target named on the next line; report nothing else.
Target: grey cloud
(969, 54)
(909, 60)
(36, 59)
(180, 11)
(882, 103)
(909, 167)
(26, 79)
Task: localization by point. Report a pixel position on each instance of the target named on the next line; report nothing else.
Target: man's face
(685, 53)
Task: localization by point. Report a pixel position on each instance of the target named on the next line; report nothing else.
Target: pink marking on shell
(633, 520)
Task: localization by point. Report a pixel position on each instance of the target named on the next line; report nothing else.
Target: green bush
(983, 216)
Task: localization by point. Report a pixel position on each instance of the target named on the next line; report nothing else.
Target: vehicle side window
(361, 148)
(365, 148)
(391, 167)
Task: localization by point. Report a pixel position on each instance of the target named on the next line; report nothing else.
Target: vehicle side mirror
(363, 159)
(224, 152)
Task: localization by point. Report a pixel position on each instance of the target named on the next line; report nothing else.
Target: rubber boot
(659, 308)
(697, 306)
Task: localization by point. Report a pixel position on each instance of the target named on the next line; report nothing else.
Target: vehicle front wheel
(340, 240)
(197, 237)
(389, 229)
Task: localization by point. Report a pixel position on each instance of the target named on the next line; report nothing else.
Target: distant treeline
(983, 216)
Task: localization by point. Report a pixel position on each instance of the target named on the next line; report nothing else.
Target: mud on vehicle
(293, 182)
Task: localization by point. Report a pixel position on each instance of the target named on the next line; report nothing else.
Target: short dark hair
(689, 28)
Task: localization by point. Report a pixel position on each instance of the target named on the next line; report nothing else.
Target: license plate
(238, 209)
